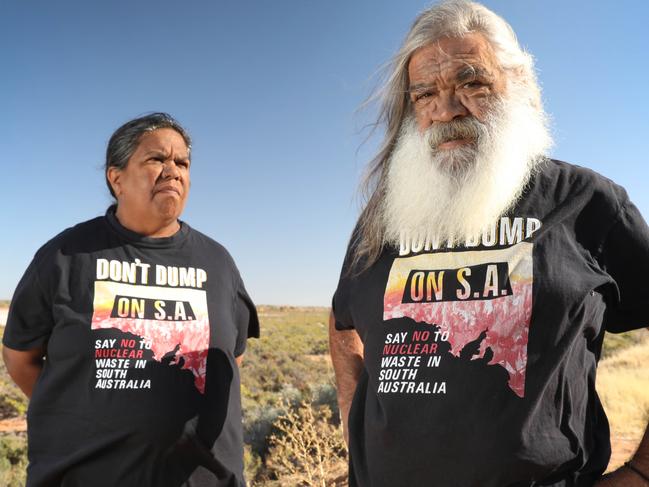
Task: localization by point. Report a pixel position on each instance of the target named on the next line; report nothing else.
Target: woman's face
(153, 187)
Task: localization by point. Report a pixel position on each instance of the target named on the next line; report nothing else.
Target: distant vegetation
(291, 427)
(13, 445)
(291, 424)
(614, 343)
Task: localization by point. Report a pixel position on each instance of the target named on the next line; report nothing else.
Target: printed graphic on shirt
(505, 232)
(480, 299)
(171, 322)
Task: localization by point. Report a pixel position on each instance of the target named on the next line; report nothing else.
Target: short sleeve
(247, 321)
(340, 307)
(30, 320)
(341, 301)
(625, 257)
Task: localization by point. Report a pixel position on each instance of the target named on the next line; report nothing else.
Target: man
(126, 332)
(480, 279)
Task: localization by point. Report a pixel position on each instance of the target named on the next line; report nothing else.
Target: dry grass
(308, 449)
(623, 386)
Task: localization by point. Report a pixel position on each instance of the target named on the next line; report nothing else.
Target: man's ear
(113, 174)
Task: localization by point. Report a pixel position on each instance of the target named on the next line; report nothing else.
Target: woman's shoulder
(73, 239)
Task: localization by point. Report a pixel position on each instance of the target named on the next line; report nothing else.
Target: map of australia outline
(170, 318)
(467, 294)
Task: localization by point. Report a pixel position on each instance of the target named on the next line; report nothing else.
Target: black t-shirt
(140, 386)
(480, 360)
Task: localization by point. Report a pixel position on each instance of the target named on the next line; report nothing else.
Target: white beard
(455, 195)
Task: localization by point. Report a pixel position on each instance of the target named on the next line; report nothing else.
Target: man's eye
(421, 96)
(473, 85)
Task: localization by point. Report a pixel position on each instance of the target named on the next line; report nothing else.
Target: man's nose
(448, 108)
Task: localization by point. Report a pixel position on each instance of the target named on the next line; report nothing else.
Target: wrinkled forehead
(452, 53)
(165, 138)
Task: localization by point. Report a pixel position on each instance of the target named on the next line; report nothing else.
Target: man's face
(454, 79)
(465, 154)
(154, 185)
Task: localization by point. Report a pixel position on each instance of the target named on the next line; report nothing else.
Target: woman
(126, 332)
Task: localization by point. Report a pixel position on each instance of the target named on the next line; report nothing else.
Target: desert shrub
(280, 367)
(289, 365)
(12, 401)
(252, 462)
(13, 460)
(325, 395)
(259, 422)
(257, 427)
(307, 449)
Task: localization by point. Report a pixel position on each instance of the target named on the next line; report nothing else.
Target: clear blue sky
(270, 91)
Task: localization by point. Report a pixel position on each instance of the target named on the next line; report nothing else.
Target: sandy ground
(3, 315)
(13, 425)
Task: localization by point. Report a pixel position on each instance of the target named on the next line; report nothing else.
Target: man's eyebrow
(471, 72)
(420, 86)
(466, 73)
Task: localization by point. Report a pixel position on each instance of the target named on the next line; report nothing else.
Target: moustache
(465, 128)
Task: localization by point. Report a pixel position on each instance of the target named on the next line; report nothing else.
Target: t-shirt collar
(141, 240)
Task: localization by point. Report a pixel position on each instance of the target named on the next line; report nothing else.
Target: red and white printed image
(466, 294)
(170, 321)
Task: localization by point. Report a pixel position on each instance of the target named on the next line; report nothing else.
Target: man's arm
(24, 366)
(346, 351)
(625, 476)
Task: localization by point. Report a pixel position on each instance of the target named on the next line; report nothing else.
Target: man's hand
(625, 476)
(346, 351)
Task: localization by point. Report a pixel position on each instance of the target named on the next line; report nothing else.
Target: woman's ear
(113, 174)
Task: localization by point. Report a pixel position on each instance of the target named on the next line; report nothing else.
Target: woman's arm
(24, 366)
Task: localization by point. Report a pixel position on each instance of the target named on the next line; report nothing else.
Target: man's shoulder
(571, 181)
(573, 173)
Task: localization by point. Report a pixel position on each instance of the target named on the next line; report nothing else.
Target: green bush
(285, 370)
(13, 460)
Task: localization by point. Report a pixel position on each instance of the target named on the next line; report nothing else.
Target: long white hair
(453, 18)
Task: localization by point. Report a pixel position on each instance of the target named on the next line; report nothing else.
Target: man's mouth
(455, 134)
(454, 143)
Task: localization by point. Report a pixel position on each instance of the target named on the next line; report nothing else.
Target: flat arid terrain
(291, 426)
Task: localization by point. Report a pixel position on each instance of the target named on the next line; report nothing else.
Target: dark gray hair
(124, 141)
(449, 18)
